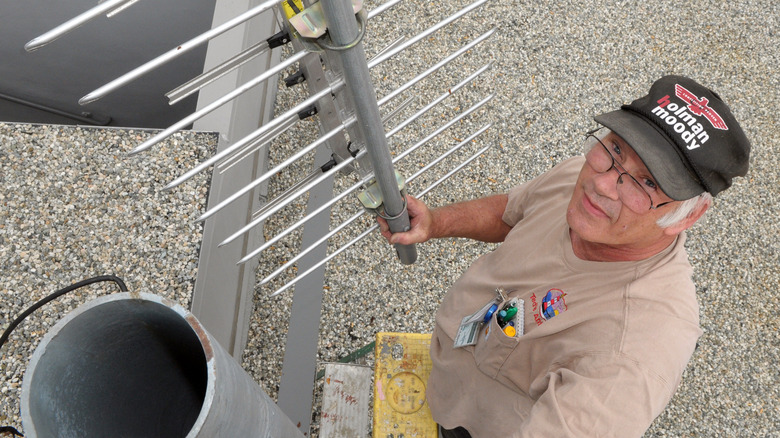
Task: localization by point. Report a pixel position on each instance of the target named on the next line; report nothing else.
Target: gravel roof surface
(74, 206)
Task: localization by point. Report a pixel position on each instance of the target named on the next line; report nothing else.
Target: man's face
(598, 216)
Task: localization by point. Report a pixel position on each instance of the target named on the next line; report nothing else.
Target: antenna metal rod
(368, 177)
(240, 59)
(436, 67)
(300, 277)
(287, 201)
(291, 159)
(343, 30)
(174, 53)
(162, 135)
(359, 184)
(389, 47)
(249, 138)
(200, 81)
(438, 100)
(314, 245)
(256, 144)
(382, 8)
(453, 171)
(390, 115)
(73, 23)
(333, 132)
(380, 59)
(349, 122)
(451, 151)
(186, 47)
(240, 155)
(473, 108)
(359, 214)
(280, 67)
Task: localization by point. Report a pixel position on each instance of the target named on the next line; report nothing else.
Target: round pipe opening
(120, 368)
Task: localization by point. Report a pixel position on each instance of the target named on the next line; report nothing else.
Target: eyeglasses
(632, 193)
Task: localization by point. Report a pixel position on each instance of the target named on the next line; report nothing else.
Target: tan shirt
(605, 365)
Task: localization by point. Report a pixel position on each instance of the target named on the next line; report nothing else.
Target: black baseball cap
(685, 135)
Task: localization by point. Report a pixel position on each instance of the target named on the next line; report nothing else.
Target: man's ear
(688, 221)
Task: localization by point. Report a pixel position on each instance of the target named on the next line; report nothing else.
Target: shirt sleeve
(607, 395)
(522, 195)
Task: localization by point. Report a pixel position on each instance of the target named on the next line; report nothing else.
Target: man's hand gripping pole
(373, 201)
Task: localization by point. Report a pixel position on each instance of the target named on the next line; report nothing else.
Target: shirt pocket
(493, 347)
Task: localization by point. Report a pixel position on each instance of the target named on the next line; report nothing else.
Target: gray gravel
(74, 206)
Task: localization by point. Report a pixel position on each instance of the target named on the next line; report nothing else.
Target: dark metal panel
(59, 74)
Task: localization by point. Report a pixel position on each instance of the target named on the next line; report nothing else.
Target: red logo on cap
(699, 107)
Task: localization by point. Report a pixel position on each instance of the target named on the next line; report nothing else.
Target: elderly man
(581, 322)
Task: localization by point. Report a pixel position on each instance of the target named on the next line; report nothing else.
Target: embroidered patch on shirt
(552, 304)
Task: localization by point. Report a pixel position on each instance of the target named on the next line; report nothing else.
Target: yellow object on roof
(403, 365)
(292, 7)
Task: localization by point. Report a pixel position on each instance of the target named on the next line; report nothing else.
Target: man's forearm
(478, 219)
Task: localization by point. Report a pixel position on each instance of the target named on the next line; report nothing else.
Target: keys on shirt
(508, 316)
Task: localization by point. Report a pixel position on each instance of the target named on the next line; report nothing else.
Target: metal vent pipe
(139, 365)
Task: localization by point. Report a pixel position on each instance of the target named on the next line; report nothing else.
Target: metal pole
(343, 30)
(137, 364)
